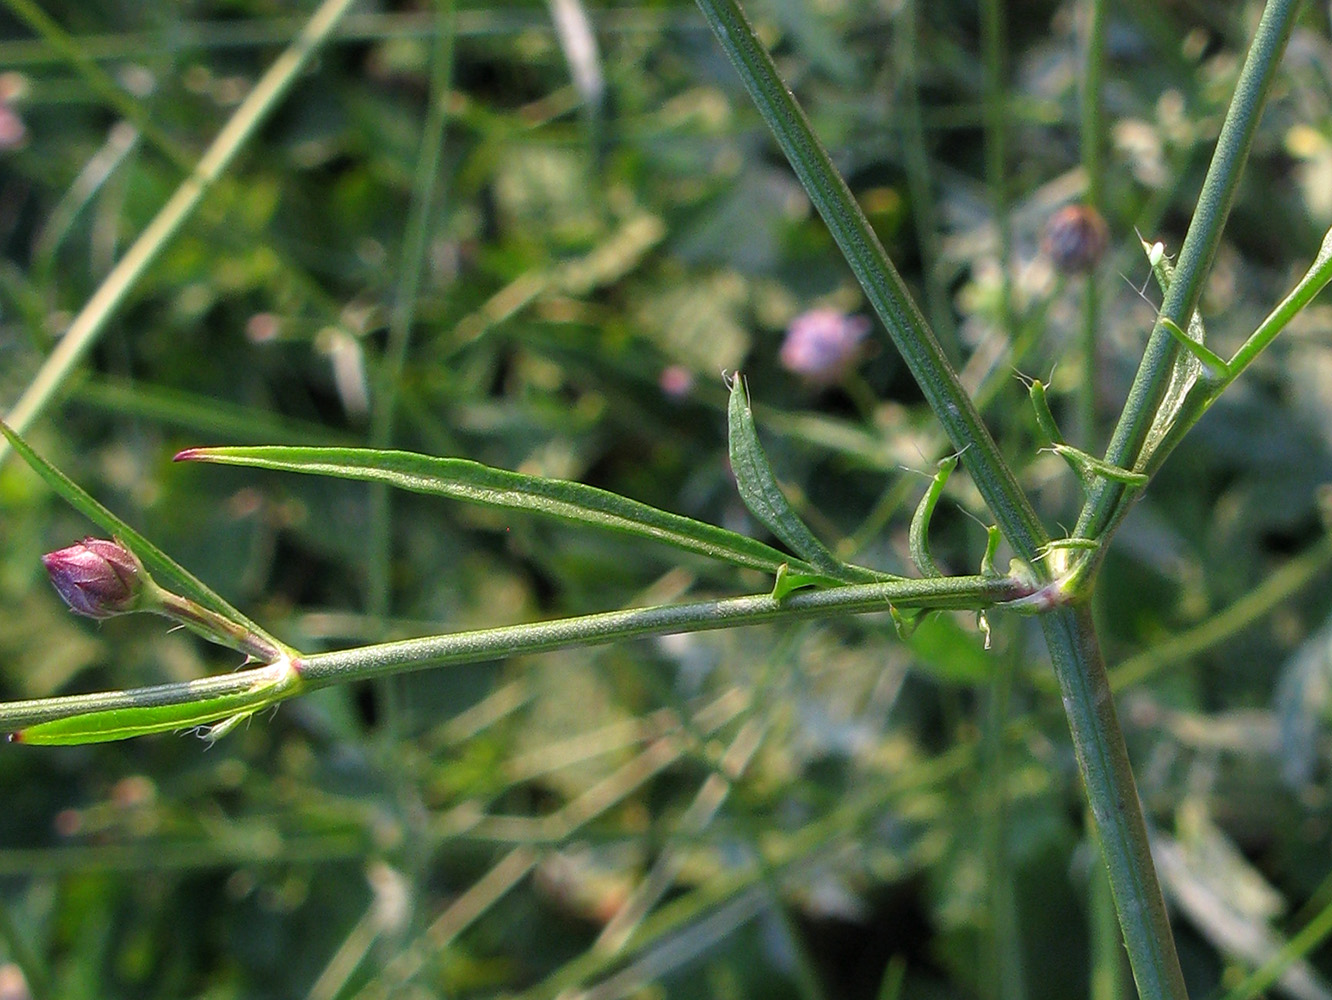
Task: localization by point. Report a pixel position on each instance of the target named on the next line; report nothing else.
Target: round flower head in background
(822, 343)
(1075, 239)
(676, 381)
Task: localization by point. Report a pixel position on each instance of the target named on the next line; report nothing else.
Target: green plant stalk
(425, 185)
(93, 317)
(994, 43)
(906, 37)
(1201, 399)
(883, 286)
(366, 662)
(1112, 793)
(1070, 633)
(1195, 261)
(1089, 101)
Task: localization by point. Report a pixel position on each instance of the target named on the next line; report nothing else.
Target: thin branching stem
(883, 286)
(1195, 261)
(384, 659)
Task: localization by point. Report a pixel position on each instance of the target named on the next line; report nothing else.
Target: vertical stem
(994, 43)
(906, 41)
(1195, 259)
(883, 286)
(1112, 792)
(1093, 63)
(1004, 940)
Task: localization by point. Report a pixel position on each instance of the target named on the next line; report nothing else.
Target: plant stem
(883, 286)
(915, 156)
(994, 42)
(92, 319)
(1093, 62)
(365, 662)
(1195, 261)
(1202, 398)
(1112, 792)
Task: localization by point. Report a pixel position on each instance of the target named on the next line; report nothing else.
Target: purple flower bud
(821, 343)
(1075, 238)
(97, 577)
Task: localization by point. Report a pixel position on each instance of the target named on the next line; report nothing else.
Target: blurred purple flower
(96, 577)
(676, 381)
(822, 343)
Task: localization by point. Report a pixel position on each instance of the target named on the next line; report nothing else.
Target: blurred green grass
(886, 810)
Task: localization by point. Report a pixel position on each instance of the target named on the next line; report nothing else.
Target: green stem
(994, 43)
(218, 628)
(1093, 64)
(906, 43)
(425, 185)
(365, 662)
(883, 286)
(1112, 792)
(1195, 261)
(1201, 400)
(92, 319)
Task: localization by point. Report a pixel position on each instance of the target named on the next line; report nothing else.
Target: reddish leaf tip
(186, 455)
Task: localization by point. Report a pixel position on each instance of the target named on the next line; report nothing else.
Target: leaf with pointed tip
(759, 490)
(919, 535)
(113, 724)
(472, 482)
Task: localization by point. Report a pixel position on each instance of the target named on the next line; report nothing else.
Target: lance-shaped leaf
(919, 536)
(472, 482)
(1188, 364)
(766, 501)
(280, 682)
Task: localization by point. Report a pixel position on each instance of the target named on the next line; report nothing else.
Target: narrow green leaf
(1214, 366)
(461, 479)
(766, 501)
(1188, 366)
(125, 723)
(786, 582)
(919, 535)
(992, 539)
(1044, 418)
(1089, 467)
(168, 571)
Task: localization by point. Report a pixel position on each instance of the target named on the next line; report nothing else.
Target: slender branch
(1112, 792)
(1195, 261)
(365, 662)
(1093, 65)
(883, 286)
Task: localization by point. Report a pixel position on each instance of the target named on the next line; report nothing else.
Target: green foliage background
(902, 819)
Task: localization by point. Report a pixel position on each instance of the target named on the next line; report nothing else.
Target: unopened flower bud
(97, 577)
(1076, 238)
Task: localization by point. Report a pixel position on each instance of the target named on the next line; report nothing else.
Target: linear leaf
(766, 501)
(472, 482)
(142, 720)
